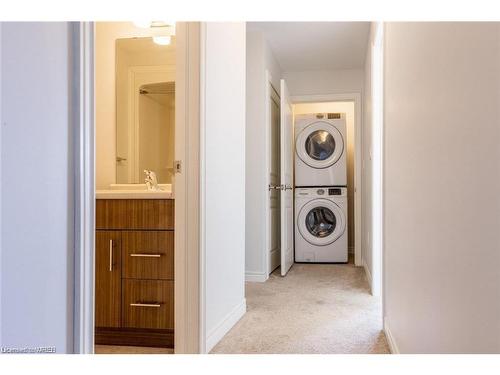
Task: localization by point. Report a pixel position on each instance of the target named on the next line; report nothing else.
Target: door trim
(356, 98)
(82, 117)
(187, 245)
(188, 271)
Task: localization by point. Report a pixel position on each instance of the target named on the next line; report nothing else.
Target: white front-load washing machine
(321, 225)
(320, 150)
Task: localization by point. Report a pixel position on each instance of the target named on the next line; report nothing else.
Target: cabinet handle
(146, 305)
(110, 255)
(144, 255)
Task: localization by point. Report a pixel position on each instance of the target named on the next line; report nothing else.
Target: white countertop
(134, 191)
(133, 194)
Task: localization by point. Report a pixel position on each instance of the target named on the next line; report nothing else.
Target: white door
(274, 182)
(286, 156)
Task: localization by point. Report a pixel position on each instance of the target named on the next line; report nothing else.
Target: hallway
(316, 308)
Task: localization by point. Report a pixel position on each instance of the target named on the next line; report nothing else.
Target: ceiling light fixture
(159, 24)
(142, 24)
(162, 40)
(170, 25)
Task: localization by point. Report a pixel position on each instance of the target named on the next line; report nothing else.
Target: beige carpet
(316, 308)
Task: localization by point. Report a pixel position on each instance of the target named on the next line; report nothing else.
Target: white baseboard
(393, 347)
(256, 277)
(368, 275)
(217, 333)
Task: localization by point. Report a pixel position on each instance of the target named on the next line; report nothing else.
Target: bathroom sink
(134, 191)
(166, 187)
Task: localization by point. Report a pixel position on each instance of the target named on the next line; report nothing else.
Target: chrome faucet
(151, 180)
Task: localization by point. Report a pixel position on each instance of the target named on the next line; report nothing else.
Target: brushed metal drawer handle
(110, 255)
(144, 255)
(146, 305)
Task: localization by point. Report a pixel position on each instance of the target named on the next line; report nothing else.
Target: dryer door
(321, 222)
(319, 145)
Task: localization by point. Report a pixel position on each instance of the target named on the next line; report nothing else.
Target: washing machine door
(319, 145)
(321, 222)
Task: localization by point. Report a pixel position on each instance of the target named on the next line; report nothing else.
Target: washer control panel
(321, 192)
(335, 191)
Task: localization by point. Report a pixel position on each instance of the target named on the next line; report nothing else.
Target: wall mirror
(145, 110)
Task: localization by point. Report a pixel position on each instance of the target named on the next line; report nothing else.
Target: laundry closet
(304, 87)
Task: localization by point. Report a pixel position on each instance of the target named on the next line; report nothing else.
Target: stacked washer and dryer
(320, 188)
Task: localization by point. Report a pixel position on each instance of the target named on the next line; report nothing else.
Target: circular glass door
(320, 145)
(321, 222)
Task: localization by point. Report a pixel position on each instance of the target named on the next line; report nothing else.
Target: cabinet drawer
(154, 214)
(148, 255)
(148, 304)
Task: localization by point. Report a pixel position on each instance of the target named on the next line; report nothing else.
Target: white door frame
(82, 108)
(187, 188)
(356, 98)
(378, 177)
(189, 277)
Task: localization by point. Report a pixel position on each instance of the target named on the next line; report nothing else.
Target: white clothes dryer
(320, 150)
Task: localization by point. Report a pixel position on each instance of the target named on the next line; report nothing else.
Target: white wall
(325, 82)
(1, 182)
(442, 184)
(223, 179)
(367, 165)
(259, 59)
(367, 235)
(37, 201)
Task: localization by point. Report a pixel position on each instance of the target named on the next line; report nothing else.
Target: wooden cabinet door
(108, 279)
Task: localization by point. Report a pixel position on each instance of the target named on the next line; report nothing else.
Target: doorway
(348, 109)
(184, 315)
(135, 201)
(349, 104)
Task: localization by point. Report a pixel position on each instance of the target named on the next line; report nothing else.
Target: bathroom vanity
(134, 269)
